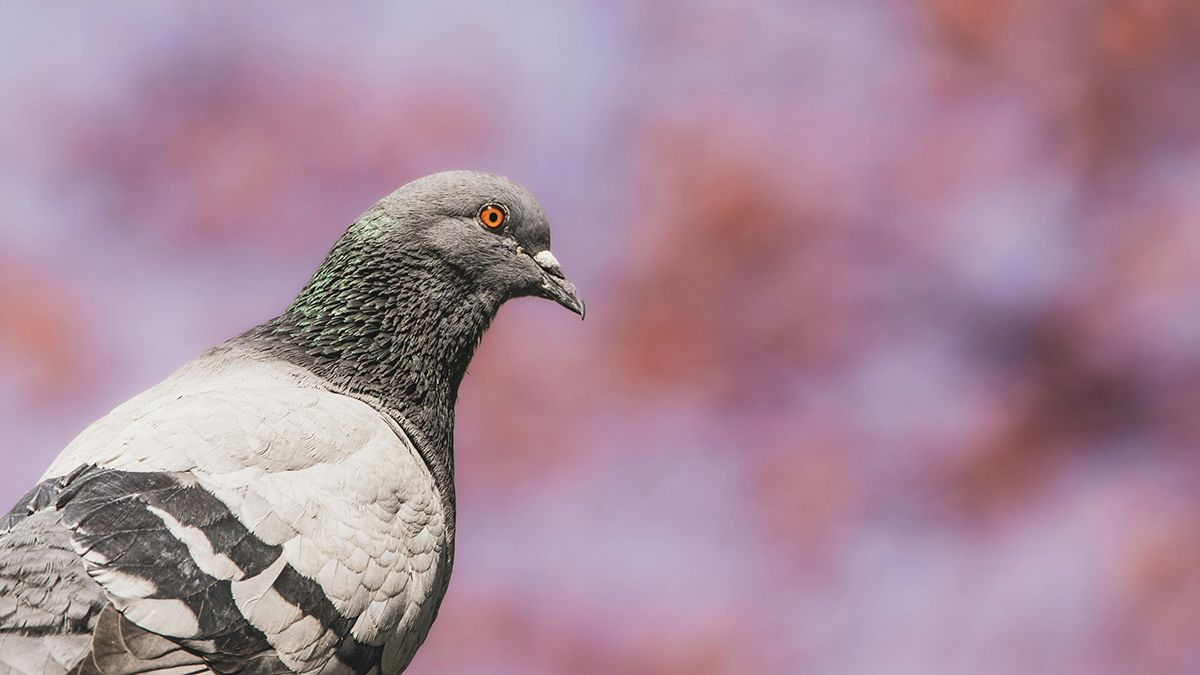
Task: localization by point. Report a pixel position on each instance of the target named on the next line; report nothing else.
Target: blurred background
(892, 359)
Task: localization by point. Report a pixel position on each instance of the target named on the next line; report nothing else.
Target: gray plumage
(284, 502)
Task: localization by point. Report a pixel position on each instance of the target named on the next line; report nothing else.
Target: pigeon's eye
(493, 216)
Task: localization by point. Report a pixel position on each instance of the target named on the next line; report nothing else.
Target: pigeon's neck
(400, 331)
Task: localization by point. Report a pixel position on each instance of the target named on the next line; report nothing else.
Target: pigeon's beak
(555, 285)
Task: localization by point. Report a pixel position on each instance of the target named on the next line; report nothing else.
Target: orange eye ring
(492, 216)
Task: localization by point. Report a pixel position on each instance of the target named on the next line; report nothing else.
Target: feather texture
(238, 520)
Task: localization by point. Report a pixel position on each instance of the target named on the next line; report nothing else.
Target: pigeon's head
(487, 228)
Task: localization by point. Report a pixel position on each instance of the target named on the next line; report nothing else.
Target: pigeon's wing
(135, 532)
(48, 603)
(54, 618)
(246, 528)
(148, 571)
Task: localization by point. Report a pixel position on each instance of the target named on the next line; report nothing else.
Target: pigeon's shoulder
(227, 411)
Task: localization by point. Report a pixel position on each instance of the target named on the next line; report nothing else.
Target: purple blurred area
(892, 358)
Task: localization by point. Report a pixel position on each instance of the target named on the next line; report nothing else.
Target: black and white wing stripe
(164, 559)
(135, 533)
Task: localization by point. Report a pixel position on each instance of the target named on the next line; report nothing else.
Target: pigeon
(284, 503)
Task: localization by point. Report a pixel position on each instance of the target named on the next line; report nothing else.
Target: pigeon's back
(240, 517)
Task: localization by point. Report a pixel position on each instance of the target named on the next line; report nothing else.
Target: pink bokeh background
(893, 348)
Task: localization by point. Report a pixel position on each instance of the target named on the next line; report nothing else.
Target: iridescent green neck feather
(386, 319)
